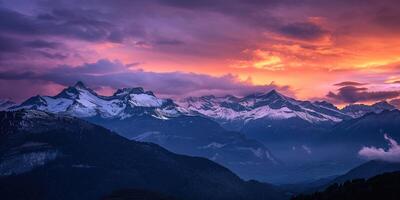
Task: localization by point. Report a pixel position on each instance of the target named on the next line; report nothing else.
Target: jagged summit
(273, 92)
(358, 110)
(134, 90)
(6, 103)
(79, 84)
(43, 149)
(124, 91)
(384, 104)
(81, 101)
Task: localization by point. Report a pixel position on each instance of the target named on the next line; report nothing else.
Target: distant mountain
(368, 129)
(199, 136)
(137, 194)
(385, 186)
(244, 134)
(140, 115)
(236, 112)
(232, 112)
(368, 170)
(359, 110)
(271, 116)
(80, 101)
(49, 156)
(5, 104)
(363, 171)
(286, 125)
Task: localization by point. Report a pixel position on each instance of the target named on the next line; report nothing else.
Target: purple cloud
(392, 154)
(350, 83)
(303, 30)
(352, 94)
(114, 74)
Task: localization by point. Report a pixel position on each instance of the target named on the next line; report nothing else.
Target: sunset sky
(344, 51)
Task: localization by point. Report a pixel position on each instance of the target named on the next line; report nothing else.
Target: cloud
(79, 24)
(352, 94)
(114, 74)
(392, 154)
(9, 45)
(42, 44)
(56, 56)
(169, 42)
(303, 31)
(14, 44)
(350, 83)
(202, 36)
(20, 47)
(388, 17)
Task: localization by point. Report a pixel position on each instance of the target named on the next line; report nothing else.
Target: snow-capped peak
(80, 101)
(5, 104)
(128, 91)
(80, 84)
(271, 105)
(358, 110)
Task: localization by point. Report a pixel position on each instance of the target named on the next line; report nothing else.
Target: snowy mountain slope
(359, 110)
(50, 156)
(5, 104)
(190, 127)
(274, 106)
(271, 105)
(139, 115)
(81, 101)
(199, 136)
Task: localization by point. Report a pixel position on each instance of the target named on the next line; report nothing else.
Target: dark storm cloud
(303, 30)
(9, 44)
(352, 94)
(211, 29)
(12, 44)
(42, 44)
(55, 56)
(168, 42)
(228, 7)
(12, 48)
(122, 20)
(9, 75)
(105, 73)
(350, 83)
(115, 21)
(14, 22)
(388, 17)
(79, 24)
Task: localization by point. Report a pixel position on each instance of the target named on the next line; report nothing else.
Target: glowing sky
(345, 51)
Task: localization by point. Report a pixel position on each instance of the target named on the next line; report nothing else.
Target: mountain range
(5, 104)
(383, 186)
(80, 101)
(51, 156)
(374, 179)
(267, 136)
(140, 115)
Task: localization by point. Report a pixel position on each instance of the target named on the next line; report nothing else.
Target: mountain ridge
(125, 102)
(52, 156)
